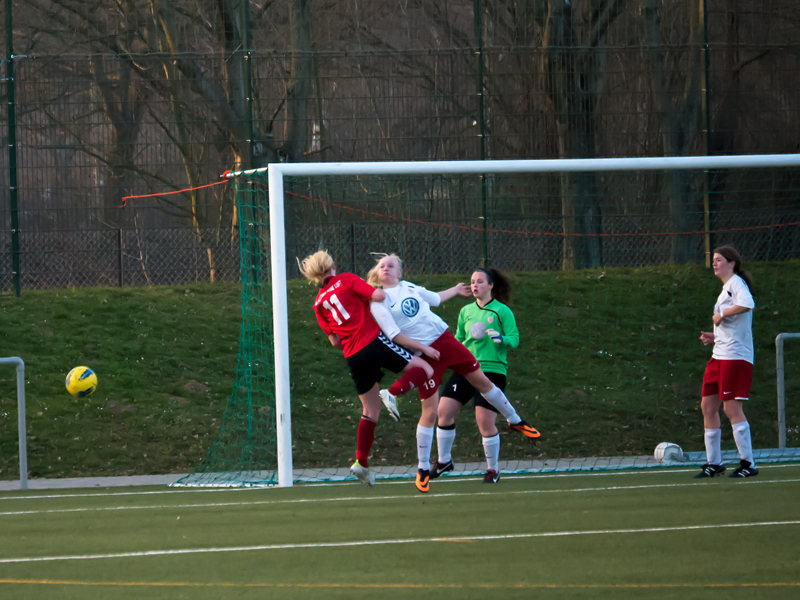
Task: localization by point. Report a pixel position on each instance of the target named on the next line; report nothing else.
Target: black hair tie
(487, 274)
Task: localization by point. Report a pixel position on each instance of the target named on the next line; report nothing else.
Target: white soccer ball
(667, 452)
(478, 330)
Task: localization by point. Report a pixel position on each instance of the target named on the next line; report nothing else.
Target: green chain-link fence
(134, 98)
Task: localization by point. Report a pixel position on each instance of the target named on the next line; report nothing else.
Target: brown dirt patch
(195, 387)
(117, 408)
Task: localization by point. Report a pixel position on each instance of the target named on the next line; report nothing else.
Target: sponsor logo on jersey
(410, 307)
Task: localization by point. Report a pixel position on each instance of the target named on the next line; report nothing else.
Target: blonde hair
(372, 276)
(315, 266)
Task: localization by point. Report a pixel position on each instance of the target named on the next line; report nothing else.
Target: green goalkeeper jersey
(494, 315)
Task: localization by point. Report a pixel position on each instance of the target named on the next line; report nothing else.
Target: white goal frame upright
(276, 172)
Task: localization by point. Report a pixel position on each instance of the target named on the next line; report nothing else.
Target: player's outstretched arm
(460, 289)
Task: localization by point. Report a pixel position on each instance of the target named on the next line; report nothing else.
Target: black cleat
(710, 471)
(491, 477)
(440, 468)
(745, 470)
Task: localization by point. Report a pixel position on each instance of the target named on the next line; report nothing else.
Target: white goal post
(276, 172)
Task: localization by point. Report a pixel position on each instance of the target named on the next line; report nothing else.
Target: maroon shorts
(731, 379)
(453, 355)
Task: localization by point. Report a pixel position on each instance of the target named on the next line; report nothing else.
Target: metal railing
(781, 386)
(21, 426)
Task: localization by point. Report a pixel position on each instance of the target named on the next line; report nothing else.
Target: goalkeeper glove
(495, 335)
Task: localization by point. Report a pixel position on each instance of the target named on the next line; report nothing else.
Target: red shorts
(453, 355)
(731, 379)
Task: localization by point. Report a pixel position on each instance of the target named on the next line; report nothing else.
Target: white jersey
(410, 309)
(733, 337)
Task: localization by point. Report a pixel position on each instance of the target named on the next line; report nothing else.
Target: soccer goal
(607, 261)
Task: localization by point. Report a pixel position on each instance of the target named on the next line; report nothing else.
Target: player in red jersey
(342, 307)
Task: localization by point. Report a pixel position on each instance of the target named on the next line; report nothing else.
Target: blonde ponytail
(315, 266)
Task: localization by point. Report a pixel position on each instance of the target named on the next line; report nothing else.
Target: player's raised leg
(495, 396)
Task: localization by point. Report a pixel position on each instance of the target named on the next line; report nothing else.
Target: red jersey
(342, 307)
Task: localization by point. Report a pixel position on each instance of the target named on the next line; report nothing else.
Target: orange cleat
(525, 429)
(423, 481)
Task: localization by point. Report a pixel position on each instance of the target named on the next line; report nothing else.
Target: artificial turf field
(652, 534)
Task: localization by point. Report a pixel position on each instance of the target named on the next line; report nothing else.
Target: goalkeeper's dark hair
(730, 254)
(502, 286)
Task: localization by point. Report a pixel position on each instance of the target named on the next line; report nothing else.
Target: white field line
(373, 498)
(150, 493)
(444, 479)
(471, 538)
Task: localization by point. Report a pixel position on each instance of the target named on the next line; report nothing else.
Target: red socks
(366, 435)
(413, 378)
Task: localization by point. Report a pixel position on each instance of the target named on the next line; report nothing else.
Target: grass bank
(609, 364)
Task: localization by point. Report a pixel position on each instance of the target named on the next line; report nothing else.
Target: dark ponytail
(732, 255)
(502, 286)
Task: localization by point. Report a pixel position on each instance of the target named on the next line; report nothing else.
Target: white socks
(491, 446)
(713, 439)
(424, 443)
(497, 398)
(741, 434)
(444, 442)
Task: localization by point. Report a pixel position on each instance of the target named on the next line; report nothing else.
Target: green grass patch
(644, 534)
(609, 364)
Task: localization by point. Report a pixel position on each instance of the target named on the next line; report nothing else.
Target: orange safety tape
(200, 187)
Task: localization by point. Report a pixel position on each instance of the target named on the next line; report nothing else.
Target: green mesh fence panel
(610, 293)
(244, 454)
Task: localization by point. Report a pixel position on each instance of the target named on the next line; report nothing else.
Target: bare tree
(573, 44)
(122, 97)
(197, 57)
(680, 115)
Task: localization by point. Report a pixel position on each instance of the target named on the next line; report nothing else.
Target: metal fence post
(23, 451)
(12, 150)
(119, 255)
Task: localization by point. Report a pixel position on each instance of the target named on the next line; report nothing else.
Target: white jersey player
(729, 373)
(406, 310)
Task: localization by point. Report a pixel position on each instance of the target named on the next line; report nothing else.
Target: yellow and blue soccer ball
(81, 382)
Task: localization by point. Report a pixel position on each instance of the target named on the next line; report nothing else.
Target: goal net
(610, 288)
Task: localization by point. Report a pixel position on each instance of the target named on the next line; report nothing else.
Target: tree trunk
(679, 121)
(122, 100)
(298, 93)
(573, 80)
